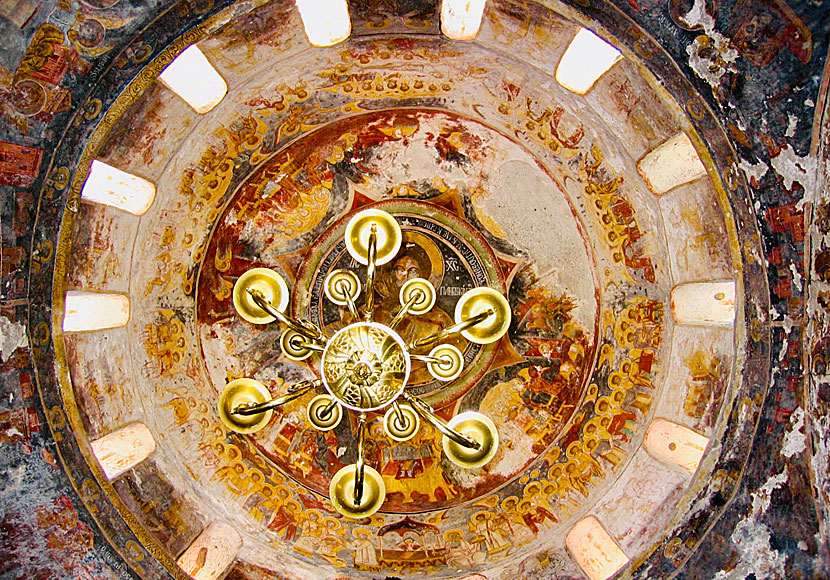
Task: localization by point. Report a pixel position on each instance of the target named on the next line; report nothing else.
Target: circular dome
(600, 216)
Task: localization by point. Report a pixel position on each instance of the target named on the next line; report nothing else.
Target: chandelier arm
(454, 329)
(428, 359)
(295, 391)
(399, 413)
(369, 307)
(326, 411)
(295, 325)
(359, 471)
(344, 292)
(429, 415)
(309, 345)
(417, 296)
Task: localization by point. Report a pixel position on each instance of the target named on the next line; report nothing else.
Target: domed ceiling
(624, 392)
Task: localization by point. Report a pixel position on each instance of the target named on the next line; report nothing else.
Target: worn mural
(497, 172)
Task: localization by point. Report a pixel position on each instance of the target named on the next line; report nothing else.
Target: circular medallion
(437, 246)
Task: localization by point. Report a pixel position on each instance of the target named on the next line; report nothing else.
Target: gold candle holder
(401, 422)
(450, 362)
(324, 412)
(478, 428)
(359, 229)
(269, 284)
(476, 302)
(239, 394)
(342, 492)
(295, 346)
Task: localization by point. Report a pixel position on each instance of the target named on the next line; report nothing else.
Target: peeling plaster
(754, 171)
(712, 70)
(794, 169)
(795, 441)
(697, 15)
(792, 123)
(711, 54)
(752, 539)
(787, 324)
(12, 337)
(797, 278)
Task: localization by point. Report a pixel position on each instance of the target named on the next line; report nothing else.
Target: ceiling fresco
(556, 215)
(499, 177)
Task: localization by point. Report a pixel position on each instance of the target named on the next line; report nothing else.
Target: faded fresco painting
(650, 388)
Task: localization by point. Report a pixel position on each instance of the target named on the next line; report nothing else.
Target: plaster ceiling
(496, 172)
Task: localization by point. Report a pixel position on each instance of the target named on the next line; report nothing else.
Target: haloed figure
(411, 262)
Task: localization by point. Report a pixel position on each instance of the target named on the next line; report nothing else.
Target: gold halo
(336, 277)
(472, 425)
(480, 300)
(412, 286)
(316, 405)
(357, 236)
(290, 350)
(393, 428)
(239, 392)
(428, 245)
(273, 288)
(341, 492)
(442, 372)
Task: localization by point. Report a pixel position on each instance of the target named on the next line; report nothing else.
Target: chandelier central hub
(365, 366)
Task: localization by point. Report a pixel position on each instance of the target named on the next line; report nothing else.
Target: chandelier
(364, 367)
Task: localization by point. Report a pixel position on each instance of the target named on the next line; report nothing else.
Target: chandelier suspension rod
(295, 391)
(343, 288)
(369, 308)
(427, 412)
(297, 341)
(309, 332)
(359, 475)
(399, 413)
(454, 329)
(416, 297)
(442, 362)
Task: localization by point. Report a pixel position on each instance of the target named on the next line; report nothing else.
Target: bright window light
(675, 444)
(110, 186)
(461, 19)
(704, 303)
(212, 553)
(123, 449)
(195, 80)
(594, 549)
(587, 58)
(670, 164)
(326, 22)
(95, 311)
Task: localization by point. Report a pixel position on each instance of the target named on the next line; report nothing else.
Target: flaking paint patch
(795, 441)
(754, 171)
(792, 123)
(12, 337)
(752, 539)
(787, 324)
(712, 70)
(708, 66)
(697, 15)
(797, 279)
(794, 169)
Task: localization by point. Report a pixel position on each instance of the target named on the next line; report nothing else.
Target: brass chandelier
(365, 366)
